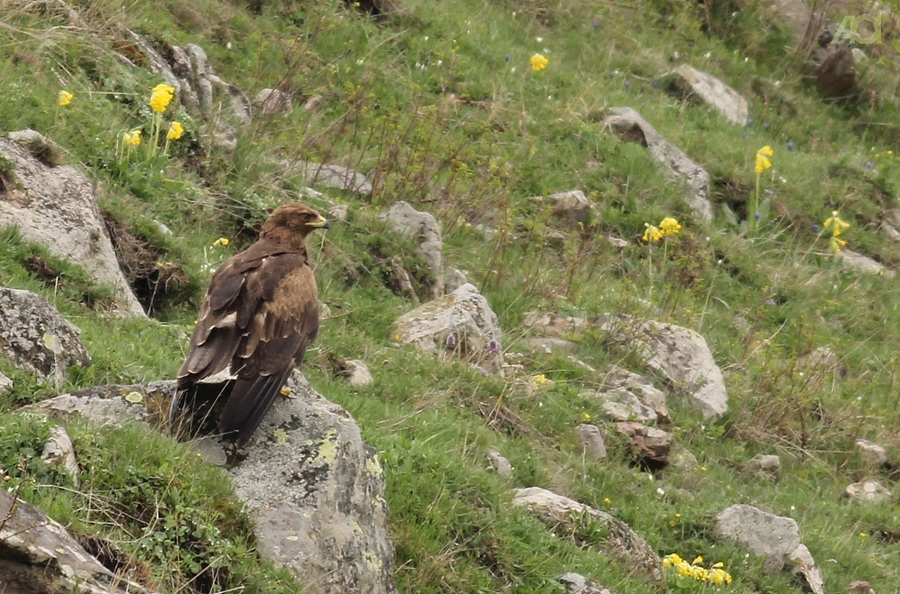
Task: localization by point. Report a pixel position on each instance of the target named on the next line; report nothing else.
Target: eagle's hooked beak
(320, 223)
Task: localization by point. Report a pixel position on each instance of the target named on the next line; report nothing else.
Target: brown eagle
(259, 315)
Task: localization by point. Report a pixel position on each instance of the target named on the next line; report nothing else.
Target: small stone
(764, 465)
(868, 492)
(871, 453)
(358, 373)
(592, 443)
(500, 464)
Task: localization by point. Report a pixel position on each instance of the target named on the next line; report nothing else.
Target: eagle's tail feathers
(248, 403)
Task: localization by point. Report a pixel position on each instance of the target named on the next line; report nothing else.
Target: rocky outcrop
(867, 492)
(629, 126)
(649, 446)
(424, 229)
(314, 489)
(571, 207)
(331, 176)
(678, 353)
(620, 540)
(34, 336)
(55, 207)
(38, 556)
(693, 84)
(460, 325)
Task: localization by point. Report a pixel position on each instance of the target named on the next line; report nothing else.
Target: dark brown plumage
(259, 315)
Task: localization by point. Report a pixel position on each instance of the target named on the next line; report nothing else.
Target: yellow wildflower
(652, 233)
(161, 97)
(669, 226)
(672, 560)
(64, 98)
(719, 576)
(762, 162)
(586, 416)
(175, 131)
(132, 138)
(539, 379)
(836, 243)
(836, 224)
(699, 559)
(538, 62)
(607, 500)
(222, 241)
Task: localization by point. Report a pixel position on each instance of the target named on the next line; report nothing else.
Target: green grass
(439, 101)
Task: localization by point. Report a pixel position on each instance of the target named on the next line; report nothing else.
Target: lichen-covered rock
(38, 556)
(679, 353)
(460, 324)
(357, 373)
(856, 262)
(870, 453)
(55, 207)
(424, 229)
(621, 541)
(316, 494)
(314, 489)
(36, 337)
(629, 126)
(618, 378)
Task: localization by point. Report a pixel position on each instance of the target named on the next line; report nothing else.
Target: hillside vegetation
(439, 101)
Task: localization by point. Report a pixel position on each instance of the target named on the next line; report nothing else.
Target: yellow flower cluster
(176, 130)
(837, 226)
(221, 242)
(715, 575)
(132, 138)
(64, 98)
(161, 97)
(668, 226)
(762, 161)
(538, 62)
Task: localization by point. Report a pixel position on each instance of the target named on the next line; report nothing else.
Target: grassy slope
(442, 97)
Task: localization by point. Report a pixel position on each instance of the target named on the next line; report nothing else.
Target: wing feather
(258, 317)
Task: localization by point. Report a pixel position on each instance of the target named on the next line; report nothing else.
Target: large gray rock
(618, 404)
(424, 229)
(773, 537)
(38, 556)
(34, 336)
(764, 466)
(55, 207)
(629, 126)
(316, 494)
(460, 324)
(620, 540)
(314, 489)
(679, 353)
(693, 84)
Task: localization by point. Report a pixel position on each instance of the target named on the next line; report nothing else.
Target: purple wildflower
(815, 229)
(451, 341)
(750, 123)
(869, 165)
(757, 215)
(494, 347)
(790, 145)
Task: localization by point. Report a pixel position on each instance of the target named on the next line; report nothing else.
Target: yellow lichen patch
(328, 448)
(373, 465)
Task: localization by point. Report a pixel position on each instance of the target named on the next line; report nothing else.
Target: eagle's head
(293, 220)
